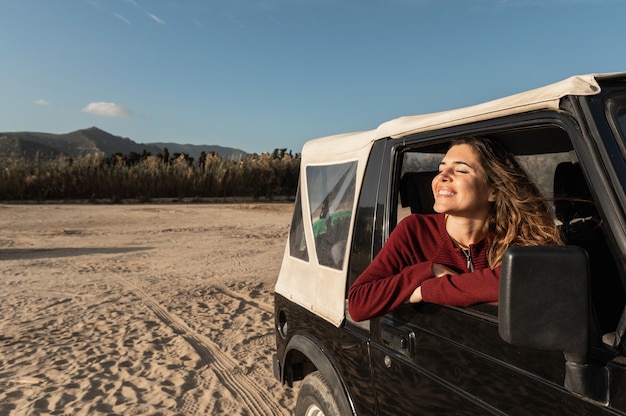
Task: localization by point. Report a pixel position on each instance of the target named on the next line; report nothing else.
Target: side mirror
(544, 299)
(544, 303)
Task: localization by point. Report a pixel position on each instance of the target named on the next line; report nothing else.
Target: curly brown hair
(519, 216)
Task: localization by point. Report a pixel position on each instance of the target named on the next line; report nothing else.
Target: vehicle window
(297, 242)
(420, 165)
(331, 190)
(616, 114)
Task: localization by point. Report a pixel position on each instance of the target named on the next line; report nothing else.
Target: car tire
(315, 397)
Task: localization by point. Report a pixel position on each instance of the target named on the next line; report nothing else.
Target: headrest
(416, 191)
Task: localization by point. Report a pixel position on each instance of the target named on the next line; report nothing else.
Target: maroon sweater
(405, 262)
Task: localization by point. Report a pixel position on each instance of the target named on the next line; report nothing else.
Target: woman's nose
(444, 175)
(440, 177)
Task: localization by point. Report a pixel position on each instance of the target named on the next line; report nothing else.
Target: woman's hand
(416, 296)
(440, 270)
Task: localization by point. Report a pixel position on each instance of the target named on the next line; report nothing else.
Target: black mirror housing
(544, 299)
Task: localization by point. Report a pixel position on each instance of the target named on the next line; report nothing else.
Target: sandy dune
(140, 309)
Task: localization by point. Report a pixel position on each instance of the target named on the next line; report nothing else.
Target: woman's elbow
(356, 308)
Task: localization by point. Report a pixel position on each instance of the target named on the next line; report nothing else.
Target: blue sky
(264, 74)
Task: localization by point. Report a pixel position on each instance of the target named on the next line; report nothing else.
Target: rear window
(331, 190)
(297, 242)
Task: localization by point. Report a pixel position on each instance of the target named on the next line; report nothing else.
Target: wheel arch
(303, 355)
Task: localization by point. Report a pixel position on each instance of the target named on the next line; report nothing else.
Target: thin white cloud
(122, 18)
(41, 101)
(234, 20)
(106, 109)
(197, 23)
(156, 19)
(95, 4)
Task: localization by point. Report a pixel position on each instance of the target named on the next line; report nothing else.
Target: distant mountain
(14, 146)
(31, 145)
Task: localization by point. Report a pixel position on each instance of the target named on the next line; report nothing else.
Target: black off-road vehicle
(553, 345)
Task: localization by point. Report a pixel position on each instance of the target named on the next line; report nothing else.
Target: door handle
(398, 338)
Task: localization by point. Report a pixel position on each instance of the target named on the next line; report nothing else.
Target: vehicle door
(434, 359)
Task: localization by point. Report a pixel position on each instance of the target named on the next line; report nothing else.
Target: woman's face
(461, 188)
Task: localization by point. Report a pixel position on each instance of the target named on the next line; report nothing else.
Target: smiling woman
(484, 203)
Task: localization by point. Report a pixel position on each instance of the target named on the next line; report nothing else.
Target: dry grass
(95, 177)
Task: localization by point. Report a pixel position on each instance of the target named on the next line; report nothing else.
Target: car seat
(582, 226)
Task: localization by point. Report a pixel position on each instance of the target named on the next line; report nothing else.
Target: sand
(161, 309)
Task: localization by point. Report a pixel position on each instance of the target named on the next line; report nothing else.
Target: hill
(18, 146)
(31, 145)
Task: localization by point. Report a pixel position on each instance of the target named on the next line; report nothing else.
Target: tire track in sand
(225, 367)
(223, 288)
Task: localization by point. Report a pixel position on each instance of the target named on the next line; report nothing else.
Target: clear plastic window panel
(331, 192)
(297, 242)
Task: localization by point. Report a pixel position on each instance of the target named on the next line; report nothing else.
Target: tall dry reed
(95, 177)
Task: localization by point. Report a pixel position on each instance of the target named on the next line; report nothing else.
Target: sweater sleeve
(375, 292)
(389, 280)
(463, 289)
